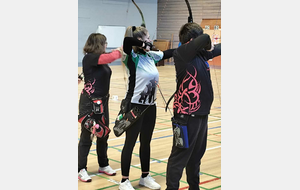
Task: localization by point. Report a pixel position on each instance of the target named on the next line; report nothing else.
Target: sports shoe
(83, 176)
(149, 182)
(107, 170)
(126, 185)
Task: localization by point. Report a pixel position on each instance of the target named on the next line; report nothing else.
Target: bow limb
(190, 18)
(143, 20)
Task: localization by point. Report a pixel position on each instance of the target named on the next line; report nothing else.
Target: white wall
(92, 13)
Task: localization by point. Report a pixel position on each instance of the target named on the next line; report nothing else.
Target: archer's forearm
(217, 50)
(168, 53)
(189, 50)
(129, 42)
(109, 57)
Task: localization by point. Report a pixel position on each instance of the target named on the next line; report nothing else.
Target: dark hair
(95, 44)
(188, 31)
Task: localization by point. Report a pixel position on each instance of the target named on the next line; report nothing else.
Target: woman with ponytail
(143, 77)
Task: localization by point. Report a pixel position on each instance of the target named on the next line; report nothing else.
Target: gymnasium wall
(92, 13)
(172, 14)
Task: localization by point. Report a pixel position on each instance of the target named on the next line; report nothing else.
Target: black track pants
(85, 141)
(190, 157)
(144, 126)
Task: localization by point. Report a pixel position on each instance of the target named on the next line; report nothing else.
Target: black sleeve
(214, 53)
(188, 51)
(131, 78)
(217, 50)
(168, 53)
(202, 42)
(91, 59)
(129, 42)
(127, 48)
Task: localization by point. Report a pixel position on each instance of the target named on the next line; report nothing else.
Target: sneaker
(83, 176)
(126, 185)
(149, 182)
(107, 170)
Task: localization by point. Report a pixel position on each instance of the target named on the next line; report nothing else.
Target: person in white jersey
(143, 77)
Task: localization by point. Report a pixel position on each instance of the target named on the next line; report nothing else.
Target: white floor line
(214, 121)
(116, 138)
(214, 117)
(213, 148)
(158, 131)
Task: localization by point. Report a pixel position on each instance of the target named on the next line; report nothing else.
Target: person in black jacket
(192, 102)
(97, 76)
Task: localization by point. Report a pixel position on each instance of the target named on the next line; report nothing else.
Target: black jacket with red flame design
(194, 93)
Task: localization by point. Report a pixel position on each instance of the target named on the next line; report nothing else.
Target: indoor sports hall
(163, 19)
(250, 135)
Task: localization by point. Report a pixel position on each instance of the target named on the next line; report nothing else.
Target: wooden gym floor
(210, 169)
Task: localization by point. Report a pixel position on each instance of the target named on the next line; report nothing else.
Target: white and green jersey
(143, 76)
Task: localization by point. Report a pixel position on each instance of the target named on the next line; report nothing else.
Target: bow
(144, 25)
(190, 18)
(143, 20)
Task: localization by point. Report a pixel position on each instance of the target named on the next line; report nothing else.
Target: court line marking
(201, 183)
(154, 161)
(152, 138)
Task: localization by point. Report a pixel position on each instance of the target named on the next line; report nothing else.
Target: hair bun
(133, 28)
